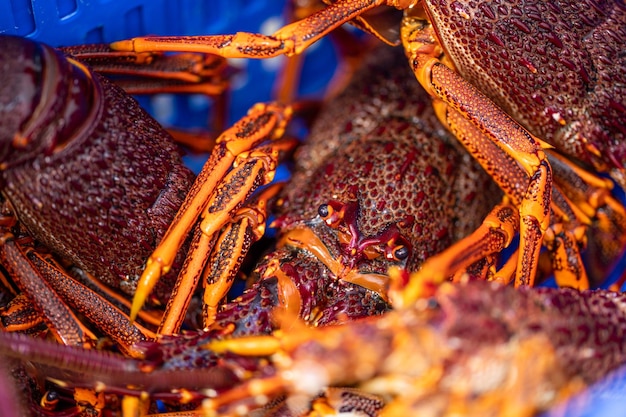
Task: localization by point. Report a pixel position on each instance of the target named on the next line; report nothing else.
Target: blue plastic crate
(71, 22)
(606, 398)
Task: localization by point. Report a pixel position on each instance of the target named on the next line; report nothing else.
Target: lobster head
(378, 183)
(33, 92)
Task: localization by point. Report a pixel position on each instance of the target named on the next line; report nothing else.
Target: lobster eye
(324, 210)
(401, 253)
(50, 400)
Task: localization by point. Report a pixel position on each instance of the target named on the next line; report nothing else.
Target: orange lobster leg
(158, 72)
(567, 264)
(223, 266)
(247, 226)
(244, 227)
(216, 196)
(591, 206)
(19, 316)
(153, 73)
(96, 309)
(450, 88)
(184, 288)
(561, 242)
(289, 40)
(575, 199)
(227, 253)
(60, 319)
(495, 234)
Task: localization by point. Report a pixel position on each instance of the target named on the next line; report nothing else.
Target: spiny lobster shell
(379, 144)
(105, 176)
(558, 67)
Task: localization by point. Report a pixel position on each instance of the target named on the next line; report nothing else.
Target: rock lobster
(362, 236)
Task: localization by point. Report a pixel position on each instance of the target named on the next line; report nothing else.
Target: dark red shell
(558, 67)
(103, 193)
(380, 145)
(587, 329)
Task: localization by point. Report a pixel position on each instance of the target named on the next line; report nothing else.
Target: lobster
(80, 160)
(333, 249)
(463, 350)
(361, 237)
(533, 90)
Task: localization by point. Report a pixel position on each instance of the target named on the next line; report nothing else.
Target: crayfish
(381, 187)
(532, 89)
(466, 350)
(337, 235)
(389, 188)
(90, 177)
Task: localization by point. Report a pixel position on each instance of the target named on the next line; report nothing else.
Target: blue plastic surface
(607, 398)
(70, 22)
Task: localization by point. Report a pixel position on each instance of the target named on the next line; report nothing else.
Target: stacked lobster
(347, 310)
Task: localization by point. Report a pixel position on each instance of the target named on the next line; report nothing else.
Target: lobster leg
(289, 40)
(495, 234)
(184, 289)
(49, 289)
(111, 373)
(230, 249)
(112, 321)
(58, 316)
(592, 206)
(460, 97)
(215, 195)
(150, 73)
(18, 316)
(153, 73)
(246, 227)
(561, 241)
(567, 264)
